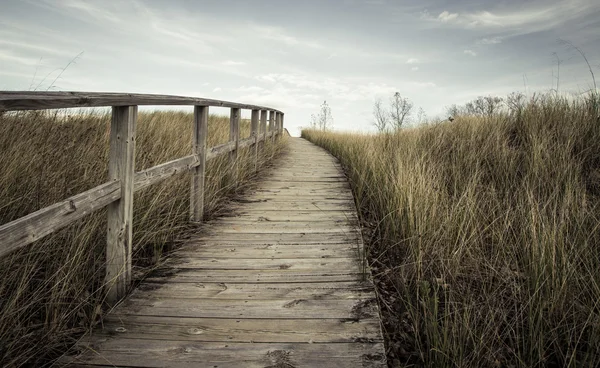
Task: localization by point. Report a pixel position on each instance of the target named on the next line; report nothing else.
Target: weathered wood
(279, 276)
(36, 225)
(311, 264)
(234, 136)
(284, 271)
(200, 133)
(272, 124)
(111, 352)
(28, 100)
(119, 234)
(284, 308)
(244, 330)
(156, 174)
(294, 290)
(255, 133)
(263, 122)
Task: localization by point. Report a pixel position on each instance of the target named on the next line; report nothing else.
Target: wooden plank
(261, 251)
(263, 264)
(283, 239)
(236, 276)
(276, 228)
(294, 290)
(234, 136)
(156, 174)
(240, 330)
(200, 133)
(272, 122)
(299, 205)
(185, 354)
(290, 216)
(28, 100)
(36, 225)
(254, 133)
(250, 308)
(263, 123)
(121, 167)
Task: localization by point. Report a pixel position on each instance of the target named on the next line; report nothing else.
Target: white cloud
(424, 84)
(412, 61)
(249, 89)
(470, 52)
(218, 89)
(233, 63)
(526, 18)
(446, 16)
(489, 41)
(414, 68)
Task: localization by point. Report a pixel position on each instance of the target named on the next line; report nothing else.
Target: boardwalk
(279, 284)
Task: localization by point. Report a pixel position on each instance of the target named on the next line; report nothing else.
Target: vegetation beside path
(486, 240)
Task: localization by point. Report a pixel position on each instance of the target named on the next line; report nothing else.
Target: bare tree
(516, 102)
(453, 111)
(421, 116)
(401, 109)
(492, 104)
(382, 117)
(323, 120)
(484, 106)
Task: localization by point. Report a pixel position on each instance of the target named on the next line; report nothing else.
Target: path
(279, 285)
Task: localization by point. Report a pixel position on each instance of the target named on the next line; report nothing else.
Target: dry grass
(50, 292)
(486, 246)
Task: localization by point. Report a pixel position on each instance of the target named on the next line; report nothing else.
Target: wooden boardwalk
(279, 284)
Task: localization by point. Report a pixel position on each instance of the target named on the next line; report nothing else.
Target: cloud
(412, 61)
(414, 68)
(279, 35)
(233, 63)
(218, 89)
(526, 18)
(470, 52)
(489, 41)
(249, 89)
(446, 16)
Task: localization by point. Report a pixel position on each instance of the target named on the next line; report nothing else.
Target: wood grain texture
(28, 100)
(199, 136)
(36, 225)
(279, 282)
(119, 236)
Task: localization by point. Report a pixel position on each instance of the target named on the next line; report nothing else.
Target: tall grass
(50, 292)
(486, 246)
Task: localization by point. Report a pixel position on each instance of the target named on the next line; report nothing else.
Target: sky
(294, 55)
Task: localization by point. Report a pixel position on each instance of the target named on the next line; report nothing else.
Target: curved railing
(123, 181)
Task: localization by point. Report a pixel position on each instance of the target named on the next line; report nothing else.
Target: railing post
(234, 136)
(281, 123)
(254, 133)
(121, 167)
(272, 125)
(263, 123)
(198, 173)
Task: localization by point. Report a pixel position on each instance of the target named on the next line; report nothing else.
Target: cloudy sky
(293, 55)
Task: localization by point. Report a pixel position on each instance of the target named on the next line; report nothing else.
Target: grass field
(485, 235)
(50, 291)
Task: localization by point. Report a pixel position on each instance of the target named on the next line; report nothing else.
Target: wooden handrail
(25, 100)
(123, 181)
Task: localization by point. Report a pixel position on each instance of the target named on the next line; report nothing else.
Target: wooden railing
(123, 181)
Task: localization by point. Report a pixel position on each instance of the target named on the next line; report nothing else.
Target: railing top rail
(27, 100)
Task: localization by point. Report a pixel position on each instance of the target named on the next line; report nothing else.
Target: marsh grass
(50, 292)
(486, 245)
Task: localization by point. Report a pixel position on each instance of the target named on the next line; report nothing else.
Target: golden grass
(486, 245)
(50, 292)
